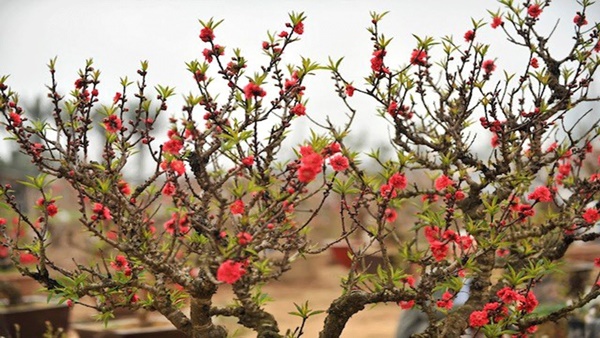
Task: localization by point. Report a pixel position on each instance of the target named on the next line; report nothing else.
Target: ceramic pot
(127, 328)
(31, 317)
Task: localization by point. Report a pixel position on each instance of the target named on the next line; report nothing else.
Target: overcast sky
(118, 34)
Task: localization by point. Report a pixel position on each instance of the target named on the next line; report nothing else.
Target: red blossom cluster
(101, 212)
(178, 224)
(230, 271)
(377, 61)
(439, 241)
(252, 90)
(49, 206)
(311, 164)
(418, 57)
(113, 123)
(541, 194)
(237, 207)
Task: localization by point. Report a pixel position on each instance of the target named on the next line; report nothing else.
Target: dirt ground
(316, 280)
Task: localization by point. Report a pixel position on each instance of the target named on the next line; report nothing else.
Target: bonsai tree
(500, 221)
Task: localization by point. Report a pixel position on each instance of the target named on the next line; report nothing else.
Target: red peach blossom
(237, 207)
(298, 110)
(230, 272)
(349, 90)
(418, 57)
(299, 28)
(541, 194)
(497, 21)
(339, 162)
(478, 318)
(244, 238)
(390, 215)
(534, 11)
(206, 34)
(252, 90)
(113, 124)
(591, 215)
(469, 36)
(443, 182)
(534, 63)
(488, 66)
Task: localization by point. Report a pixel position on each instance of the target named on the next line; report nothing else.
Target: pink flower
(388, 191)
(377, 60)
(117, 97)
(124, 187)
(173, 146)
(508, 295)
(410, 280)
(244, 238)
(298, 110)
(398, 181)
(177, 166)
(446, 301)
(488, 66)
(307, 174)
(443, 182)
(237, 207)
(51, 209)
(534, 11)
(418, 57)
(406, 304)
(120, 263)
(230, 272)
(339, 162)
(15, 118)
(528, 303)
(113, 124)
(497, 21)
(168, 189)
(349, 90)
(299, 28)
(26, 258)
(390, 215)
(580, 20)
(253, 90)
(534, 63)
(469, 36)
(541, 194)
(439, 250)
(101, 212)
(478, 318)
(312, 160)
(248, 161)
(591, 215)
(465, 242)
(206, 34)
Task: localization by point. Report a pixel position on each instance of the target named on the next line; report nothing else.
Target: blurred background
(118, 34)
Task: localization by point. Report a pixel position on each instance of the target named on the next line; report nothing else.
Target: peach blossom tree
(502, 220)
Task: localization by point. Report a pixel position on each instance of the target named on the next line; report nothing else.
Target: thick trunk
(202, 325)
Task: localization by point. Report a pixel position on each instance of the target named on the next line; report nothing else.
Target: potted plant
(29, 316)
(484, 230)
(139, 326)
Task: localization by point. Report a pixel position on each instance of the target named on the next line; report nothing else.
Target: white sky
(118, 34)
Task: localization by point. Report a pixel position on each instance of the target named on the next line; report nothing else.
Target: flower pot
(26, 285)
(128, 328)
(31, 317)
(340, 254)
